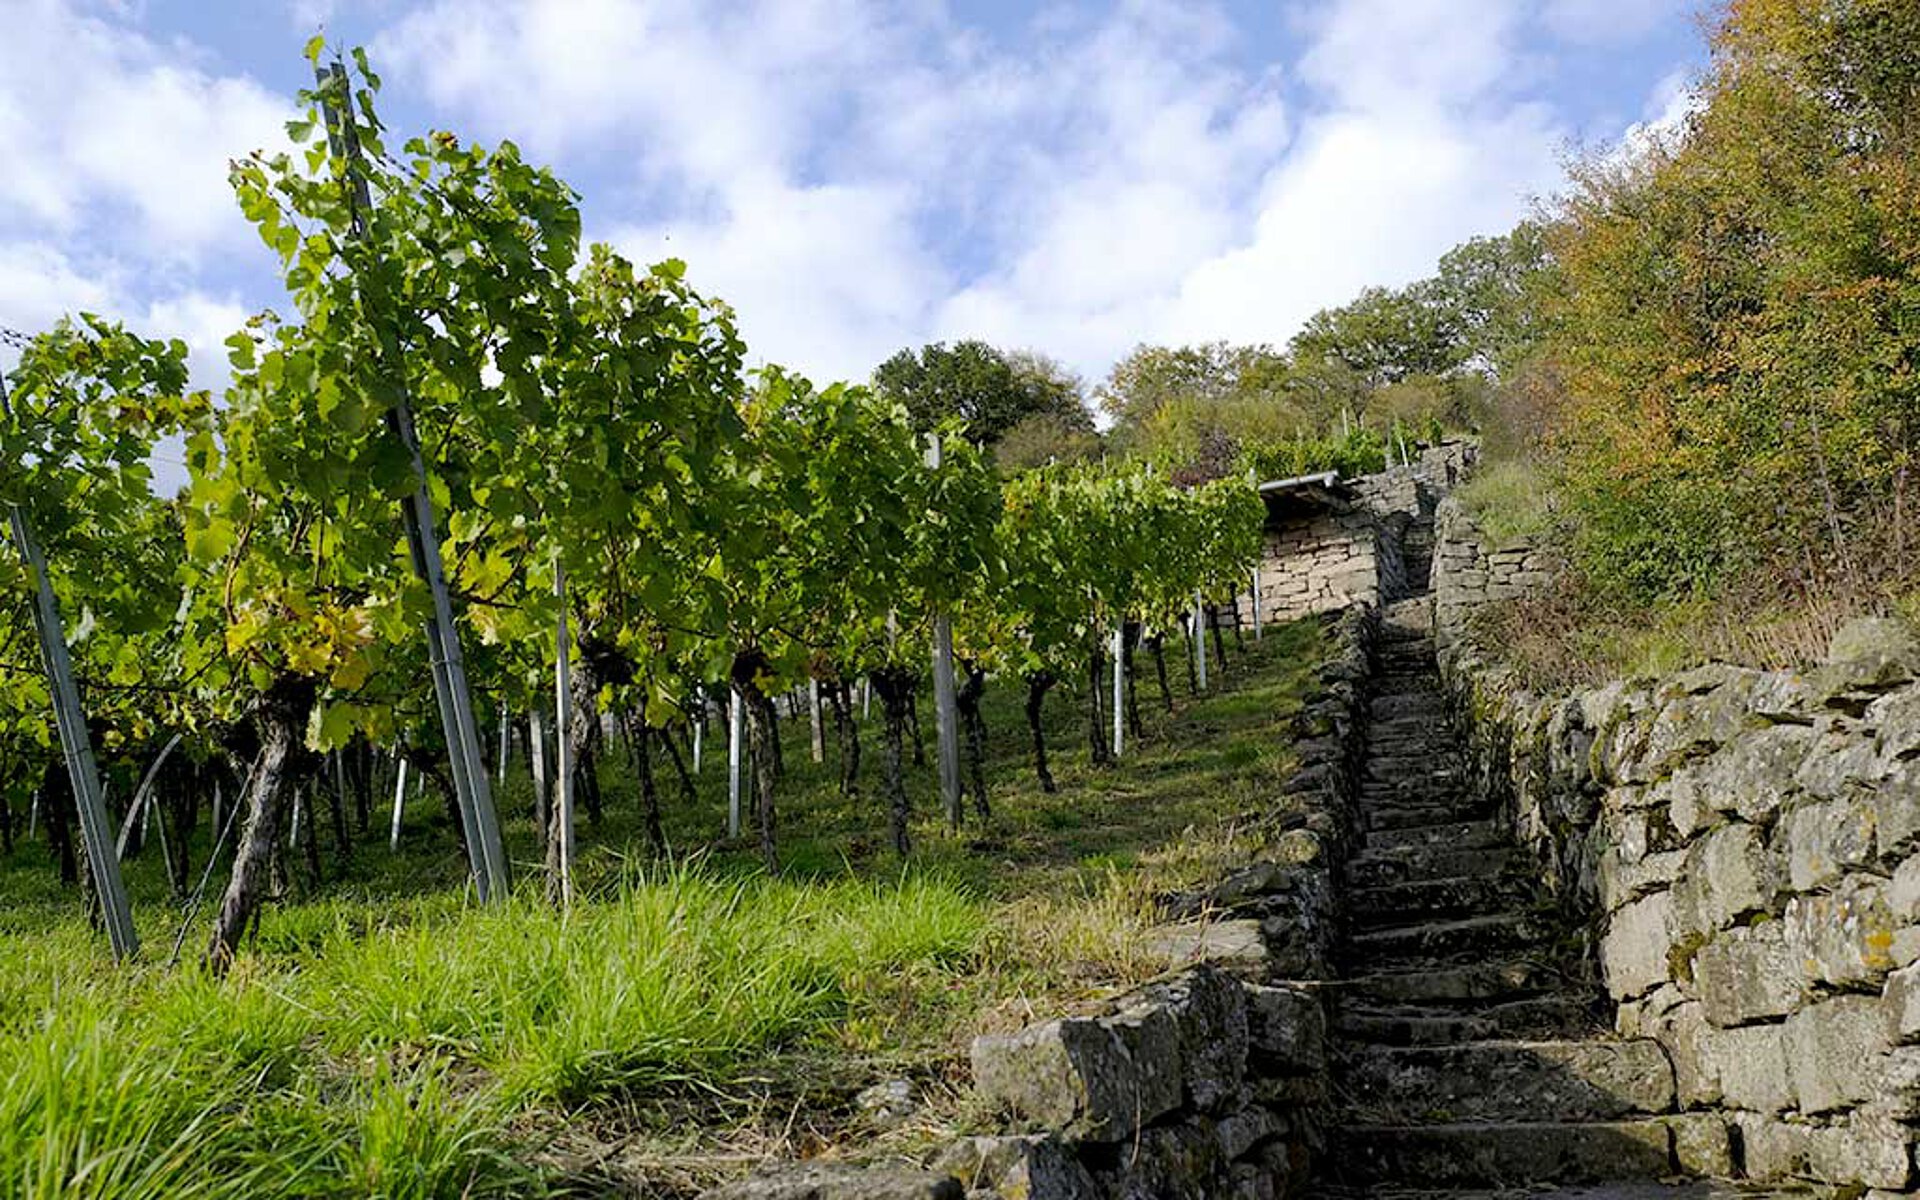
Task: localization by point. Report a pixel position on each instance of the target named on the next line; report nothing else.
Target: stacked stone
(1320, 564)
(1207, 1084)
(1745, 847)
(1469, 572)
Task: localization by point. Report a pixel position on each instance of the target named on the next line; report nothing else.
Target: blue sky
(855, 175)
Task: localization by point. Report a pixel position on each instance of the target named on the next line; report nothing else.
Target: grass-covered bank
(383, 1037)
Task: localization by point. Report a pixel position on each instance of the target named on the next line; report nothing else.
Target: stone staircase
(1470, 1052)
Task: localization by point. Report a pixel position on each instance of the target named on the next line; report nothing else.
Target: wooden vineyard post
(1118, 648)
(813, 721)
(946, 707)
(562, 736)
(76, 743)
(472, 793)
(1258, 621)
(1200, 640)
(736, 734)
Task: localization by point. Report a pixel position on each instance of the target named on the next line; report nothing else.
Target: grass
(383, 1036)
(1511, 501)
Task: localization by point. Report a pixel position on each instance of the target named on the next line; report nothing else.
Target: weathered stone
(1896, 810)
(1887, 648)
(1897, 720)
(1034, 1167)
(1729, 873)
(1683, 1031)
(1242, 1130)
(1754, 776)
(1773, 1151)
(1087, 1079)
(1208, 1012)
(1509, 1081)
(1702, 1145)
(1896, 1083)
(1840, 764)
(1748, 974)
(1902, 1003)
(1866, 1148)
(1174, 1162)
(1633, 954)
(1846, 938)
(1752, 1065)
(1474, 1153)
(1235, 944)
(1286, 1028)
(1831, 1048)
(1622, 881)
(842, 1181)
(887, 1104)
(1824, 840)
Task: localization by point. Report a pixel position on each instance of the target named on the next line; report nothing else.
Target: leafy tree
(1732, 319)
(990, 392)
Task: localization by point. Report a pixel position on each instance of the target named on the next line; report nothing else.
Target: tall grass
(389, 1056)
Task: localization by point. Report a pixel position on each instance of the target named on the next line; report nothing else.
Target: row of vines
(469, 442)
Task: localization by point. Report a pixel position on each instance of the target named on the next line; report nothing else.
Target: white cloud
(111, 136)
(1605, 22)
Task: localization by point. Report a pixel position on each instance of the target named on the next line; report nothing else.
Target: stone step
(1495, 1154)
(1408, 814)
(1478, 984)
(1460, 895)
(1566, 1081)
(1536, 1018)
(1438, 768)
(1372, 868)
(1618, 1190)
(1420, 729)
(1485, 834)
(1385, 793)
(1438, 941)
(1424, 705)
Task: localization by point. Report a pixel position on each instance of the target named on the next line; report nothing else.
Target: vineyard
(503, 611)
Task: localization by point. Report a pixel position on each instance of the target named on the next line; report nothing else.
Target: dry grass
(1781, 616)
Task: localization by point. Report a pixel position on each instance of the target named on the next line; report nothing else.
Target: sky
(853, 176)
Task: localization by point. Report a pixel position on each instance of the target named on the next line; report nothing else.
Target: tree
(972, 382)
(1733, 311)
(1152, 376)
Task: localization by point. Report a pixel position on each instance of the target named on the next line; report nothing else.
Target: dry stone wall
(1318, 563)
(1743, 848)
(1206, 1084)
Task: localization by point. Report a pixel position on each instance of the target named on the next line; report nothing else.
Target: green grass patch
(382, 1035)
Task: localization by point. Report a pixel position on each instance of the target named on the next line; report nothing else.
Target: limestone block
(1729, 873)
(1882, 650)
(1086, 1079)
(1748, 974)
(1286, 1028)
(1633, 954)
(1702, 1145)
(1622, 882)
(1840, 764)
(1903, 894)
(1823, 840)
(1896, 810)
(1832, 1048)
(1896, 718)
(1754, 774)
(1774, 1150)
(1902, 1003)
(1846, 938)
(1242, 1130)
(1896, 1083)
(1867, 1148)
(1208, 1011)
(1752, 1065)
(1034, 1167)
